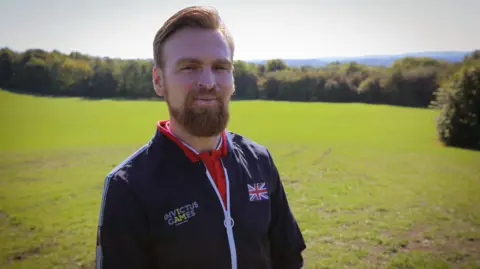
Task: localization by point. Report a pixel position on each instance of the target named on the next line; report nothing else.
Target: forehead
(202, 44)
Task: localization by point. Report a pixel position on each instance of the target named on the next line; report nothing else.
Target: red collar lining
(221, 151)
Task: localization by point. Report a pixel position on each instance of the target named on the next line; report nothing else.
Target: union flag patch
(257, 192)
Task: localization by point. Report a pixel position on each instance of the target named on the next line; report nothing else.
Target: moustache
(205, 94)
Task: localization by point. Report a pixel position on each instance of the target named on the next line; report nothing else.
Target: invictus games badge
(181, 215)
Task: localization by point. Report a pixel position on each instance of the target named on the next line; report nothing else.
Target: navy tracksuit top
(161, 210)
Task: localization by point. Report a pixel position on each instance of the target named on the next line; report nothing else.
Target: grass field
(370, 185)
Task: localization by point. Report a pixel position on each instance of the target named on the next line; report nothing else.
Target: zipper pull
(228, 222)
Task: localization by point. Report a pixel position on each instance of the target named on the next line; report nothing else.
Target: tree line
(410, 81)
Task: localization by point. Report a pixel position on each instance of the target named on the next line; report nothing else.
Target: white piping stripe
(226, 211)
(228, 219)
(196, 152)
(192, 149)
(231, 238)
(104, 195)
(215, 188)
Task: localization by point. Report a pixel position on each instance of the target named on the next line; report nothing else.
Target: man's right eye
(188, 67)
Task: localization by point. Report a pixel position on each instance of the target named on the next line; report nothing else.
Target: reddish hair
(192, 17)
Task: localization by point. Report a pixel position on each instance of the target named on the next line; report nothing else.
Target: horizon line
(264, 59)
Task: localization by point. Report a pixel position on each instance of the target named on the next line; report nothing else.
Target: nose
(206, 79)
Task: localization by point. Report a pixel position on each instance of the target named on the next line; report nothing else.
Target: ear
(157, 80)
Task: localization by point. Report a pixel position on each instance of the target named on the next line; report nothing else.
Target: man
(197, 195)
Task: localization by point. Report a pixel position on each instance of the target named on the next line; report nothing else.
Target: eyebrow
(223, 61)
(188, 60)
(197, 61)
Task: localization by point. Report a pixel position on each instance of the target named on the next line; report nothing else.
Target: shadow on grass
(475, 147)
(234, 98)
(100, 98)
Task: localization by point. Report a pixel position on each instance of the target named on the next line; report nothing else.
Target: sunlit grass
(370, 185)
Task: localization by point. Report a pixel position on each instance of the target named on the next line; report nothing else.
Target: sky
(261, 29)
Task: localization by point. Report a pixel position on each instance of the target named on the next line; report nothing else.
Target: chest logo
(257, 192)
(181, 215)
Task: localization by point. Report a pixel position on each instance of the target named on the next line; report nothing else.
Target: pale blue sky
(261, 29)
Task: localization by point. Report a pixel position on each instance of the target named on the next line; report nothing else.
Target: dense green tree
(6, 66)
(275, 65)
(459, 103)
(409, 81)
(246, 86)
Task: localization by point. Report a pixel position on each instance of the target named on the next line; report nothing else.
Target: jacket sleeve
(122, 231)
(286, 239)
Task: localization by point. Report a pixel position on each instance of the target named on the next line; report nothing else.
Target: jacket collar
(225, 146)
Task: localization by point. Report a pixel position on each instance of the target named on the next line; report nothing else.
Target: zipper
(228, 221)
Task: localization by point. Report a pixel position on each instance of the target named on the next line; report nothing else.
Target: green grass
(370, 185)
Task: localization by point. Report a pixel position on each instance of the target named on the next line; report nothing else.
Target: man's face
(197, 80)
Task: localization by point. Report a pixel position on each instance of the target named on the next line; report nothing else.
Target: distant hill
(376, 60)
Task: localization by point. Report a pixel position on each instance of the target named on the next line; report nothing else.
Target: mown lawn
(370, 185)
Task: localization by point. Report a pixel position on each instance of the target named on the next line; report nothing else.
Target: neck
(200, 144)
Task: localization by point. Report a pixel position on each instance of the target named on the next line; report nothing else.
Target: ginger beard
(200, 121)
